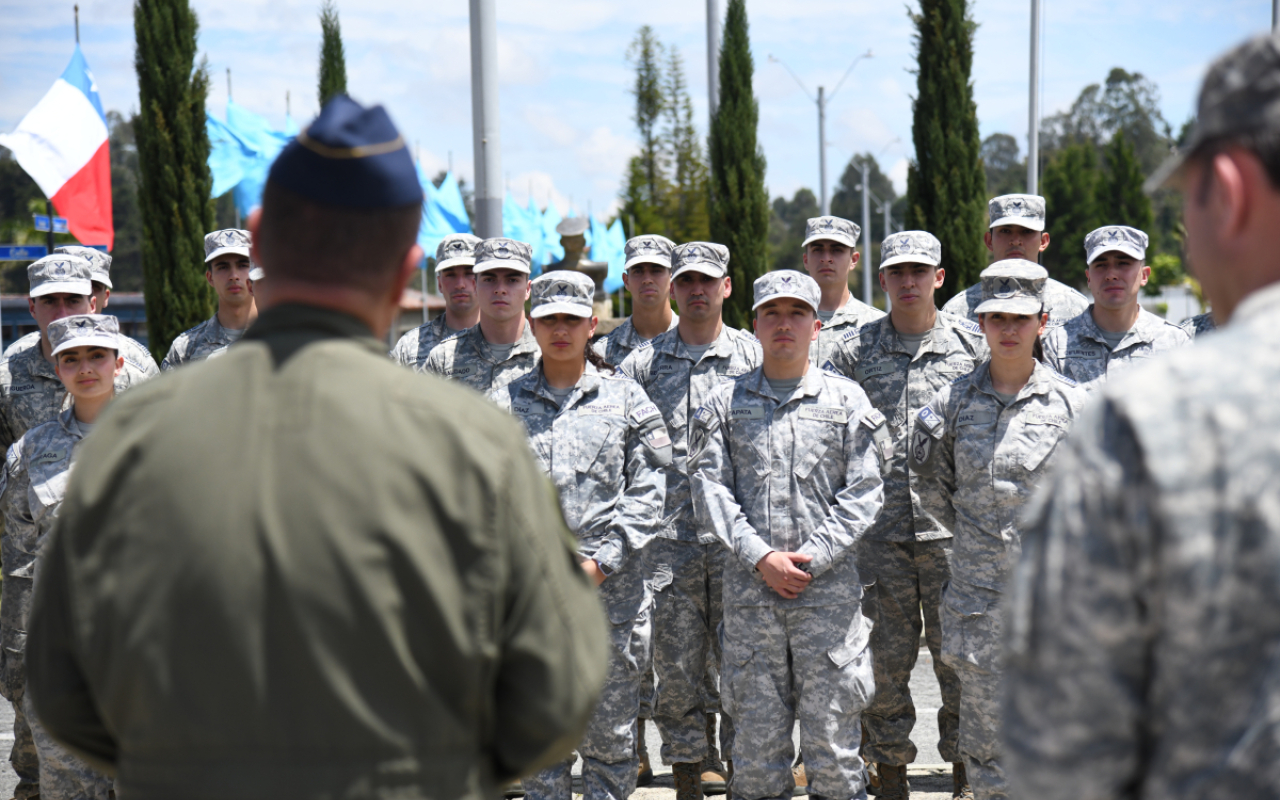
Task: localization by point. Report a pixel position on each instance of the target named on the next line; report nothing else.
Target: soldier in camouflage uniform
(86, 348)
(228, 271)
(605, 447)
(678, 370)
(1199, 325)
(785, 466)
(647, 277)
(500, 348)
(1115, 333)
(984, 442)
(1017, 231)
(455, 258)
(904, 560)
(829, 256)
(1145, 613)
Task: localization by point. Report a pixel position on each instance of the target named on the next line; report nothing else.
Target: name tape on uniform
(746, 412)
(975, 417)
(872, 370)
(601, 410)
(49, 457)
(825, 414)
(1042, 418)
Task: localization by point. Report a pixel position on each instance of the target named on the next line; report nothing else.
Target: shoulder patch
(873, 419)
(930, 420)
(644, 412)
(1064, 378)
(964, 323)
(852, 333)
(703, 415)
(645, 345)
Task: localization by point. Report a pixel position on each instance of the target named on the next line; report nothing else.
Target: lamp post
(484, 118)
(1033, 106)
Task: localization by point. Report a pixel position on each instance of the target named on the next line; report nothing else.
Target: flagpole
(484, 118)
(77, 8)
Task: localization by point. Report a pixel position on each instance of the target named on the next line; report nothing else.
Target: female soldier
(986, 440)
(87, 358)
(605, 447)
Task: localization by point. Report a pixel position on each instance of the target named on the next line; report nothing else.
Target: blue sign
(42, 223)
(22, 252)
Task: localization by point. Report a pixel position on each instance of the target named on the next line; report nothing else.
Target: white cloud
(898, 175)
(605, 153)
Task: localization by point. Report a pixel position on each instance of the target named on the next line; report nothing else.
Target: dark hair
(305, 241)
(596, 360)
(1265, 145)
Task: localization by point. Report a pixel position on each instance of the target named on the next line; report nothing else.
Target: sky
(566, 107)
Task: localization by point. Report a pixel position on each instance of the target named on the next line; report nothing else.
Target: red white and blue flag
(62, 145)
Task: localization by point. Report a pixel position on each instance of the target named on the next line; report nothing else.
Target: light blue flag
(228, 156)
(514, 221)
(536, 240)
(256, 134)
(451, 206)
(435, 223)
(598, 239)
(291, 128)
(553, 251)
(617, 256)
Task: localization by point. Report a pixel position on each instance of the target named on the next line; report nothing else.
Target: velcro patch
(921, 444)
(976, 416)
(734, 372)
(930, 420)
(970, 326)
(1044, 418)
(863, 371)
(462, 372)
(22, 388)
(839, 416)
(873, 419)
(852, 333)
(644, 412)
(658, 437)
(525, 409)
(1085, 353)
(746, 412)
(665, 367)
(600, 409)
(49, 457)
(702, 415)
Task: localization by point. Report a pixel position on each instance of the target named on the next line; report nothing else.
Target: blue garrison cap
(349, 156)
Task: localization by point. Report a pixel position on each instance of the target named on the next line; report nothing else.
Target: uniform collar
(321, 322)
(525, 344)
(1038, 383)
(36, 364)
(937, 339)
(1144, 328)
(670, 343)
(631, 337)
(67, 420)
(1264, 301)
(850, 310)
(588, 384)
(810, 384)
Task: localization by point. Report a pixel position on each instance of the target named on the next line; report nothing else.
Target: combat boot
(688, 778)
(893, 782)
(714, 775)
(646, 769)
(873, 779)
(960, 782)
(801, 779)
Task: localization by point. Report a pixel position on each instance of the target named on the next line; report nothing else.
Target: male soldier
(500, 347)
(228, 271)
(1144, 621)
(1115, 333)
(1017, 231)
(455, 257)
(391, 605)
(904, 559)
(829, 257)
(1198, 325)
(678, 369)
(647, 276)
(786, 473)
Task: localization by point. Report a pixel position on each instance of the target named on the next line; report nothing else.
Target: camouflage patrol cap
(84, 330)
(503, 254)
(649, 249)
(562, 291)
(786, 283)
(256, 273)
(231, 240)
(456, 250)
(910, 247)
(1014, 286)
(708, 258)
(1122, 238)
(835, 229)
(60, 272)
(1240, 96)
(1026, 210)
(99, 262)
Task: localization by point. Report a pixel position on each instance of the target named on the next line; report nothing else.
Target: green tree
(1121, 200)
(647, 197)
(1006, 170)
(739, 202)
(126, 256)
(946, 186)
(333, 60)
(846, 201)
(687, 202)
(173, 169)
(787, 220)
(1070, 187)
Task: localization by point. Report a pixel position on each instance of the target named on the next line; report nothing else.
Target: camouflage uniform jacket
(31, 393)
(1143, 626)
(899, 385)
(665, 369)
(1060, 300)
(1199, 325)
(615, 347)
(1079, 351)
(607, 451)
(207, 339)
(987, 458)
(848, 318)
(414, 347)
(468, 358)
(800, 475)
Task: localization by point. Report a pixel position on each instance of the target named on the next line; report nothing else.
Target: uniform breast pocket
(48, 487)
(1037, 443)
(814, 443)
(750, 435)
(600, 448)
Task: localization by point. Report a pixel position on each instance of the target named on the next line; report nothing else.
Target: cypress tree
(173, 169)
(1121, 200)
(687, 205)
(739, 202)
(1070, 188)
(946, 185)
(333, 62)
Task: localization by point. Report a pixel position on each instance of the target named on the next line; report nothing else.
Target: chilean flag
(62, 144)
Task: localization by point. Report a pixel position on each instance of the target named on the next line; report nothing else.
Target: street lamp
(861, 166)
(821, 100)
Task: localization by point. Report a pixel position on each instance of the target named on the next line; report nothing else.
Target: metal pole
(228, 83)
(77, 8)
(713, 58)
(484, 118)
(48, 209)
(885, 207)
(424, 291)
(822, 152)
(1275, 14)
(1033, 110)
(866, 233)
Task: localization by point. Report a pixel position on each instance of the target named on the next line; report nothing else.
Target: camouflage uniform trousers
(63, 776)
(610, 765)
(688, 583)
(787, 662)
(907, 580)
(971, 645)
(13, 684)
(23, 755)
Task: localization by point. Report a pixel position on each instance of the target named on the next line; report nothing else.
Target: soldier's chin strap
(879, 426)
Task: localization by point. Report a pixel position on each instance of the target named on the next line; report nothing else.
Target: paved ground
(930, 780)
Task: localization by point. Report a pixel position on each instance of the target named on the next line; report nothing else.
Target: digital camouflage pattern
(649, 248)
(136, 357)
(847, 319)
(910, 247)
(469, 359)
(63, 776)
(1199, 325)
(1143, 623)
(1061, 302)
(414, 347)
(99, 262)
(1079, 351)
(785, 283)
(835, 229)
(1025, 210)
(203, 341)
(986, 459)
(1012, 286)
(618, 344)
(1121, 238)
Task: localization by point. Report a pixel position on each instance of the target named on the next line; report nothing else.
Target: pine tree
(1121, 200)
(173, 162)
(1070, 188)
(646, 53)
(687, 204)
(946, 186)
(739, 203)
(333, 61)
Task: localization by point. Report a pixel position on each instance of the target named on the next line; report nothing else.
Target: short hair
(305, 241)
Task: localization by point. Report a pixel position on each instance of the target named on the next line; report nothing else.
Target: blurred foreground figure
(1144, 626)
(360, 585)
